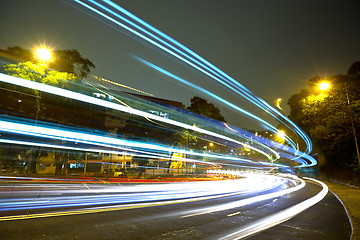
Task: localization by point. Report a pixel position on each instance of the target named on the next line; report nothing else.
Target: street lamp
(323, 86)
(278, 101)
(43, 54)
(281, 134)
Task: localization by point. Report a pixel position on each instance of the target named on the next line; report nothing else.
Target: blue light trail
(58, 134)
(133, 24)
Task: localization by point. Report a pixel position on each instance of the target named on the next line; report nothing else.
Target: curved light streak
(189, 57)
(129, 197)
(122, 85)
(279, 217)
(93, 139)
(84, 98)
(243, 202)
(103, 103)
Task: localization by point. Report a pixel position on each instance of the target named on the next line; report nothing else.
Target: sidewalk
(350, 196)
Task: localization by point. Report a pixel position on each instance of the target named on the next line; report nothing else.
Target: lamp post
(278, 101)
(281, 136)
(353, 127)
(43, 54)
(324, 86)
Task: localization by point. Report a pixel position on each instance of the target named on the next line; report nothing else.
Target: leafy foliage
(331, 118)
(69, 61)
(18, 53)
(201, 106)
(38, 73)
(186, 138)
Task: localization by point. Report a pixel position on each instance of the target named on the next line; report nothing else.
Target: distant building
(160, 101)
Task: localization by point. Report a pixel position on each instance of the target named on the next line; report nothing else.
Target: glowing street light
(281, 134)
(278, 101)
(324, 86)
(43, 54)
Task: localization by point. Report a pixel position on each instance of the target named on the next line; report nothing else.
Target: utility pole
(353, 127)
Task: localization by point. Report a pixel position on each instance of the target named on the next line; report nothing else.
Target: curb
(354, 220)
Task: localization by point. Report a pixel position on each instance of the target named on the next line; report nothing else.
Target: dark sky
(271, 47)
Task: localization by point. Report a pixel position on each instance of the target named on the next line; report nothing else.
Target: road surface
(206, 210)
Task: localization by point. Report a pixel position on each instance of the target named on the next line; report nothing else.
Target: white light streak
(279, 217)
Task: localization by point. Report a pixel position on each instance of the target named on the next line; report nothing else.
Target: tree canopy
(331, 117)
(18, 53)
(33, 104)
(39, 73)
(201, 106)
(69, 61)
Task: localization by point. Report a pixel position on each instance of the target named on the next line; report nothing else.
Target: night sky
(271, 47)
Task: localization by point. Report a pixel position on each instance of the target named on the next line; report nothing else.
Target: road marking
(110, 208)
(233, 214)
(222, 207)
(86, 186)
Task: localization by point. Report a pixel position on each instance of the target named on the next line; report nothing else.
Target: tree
(18, 53)
(201, 106)
(185, 137)
(331, 118)
(24, 101)
(69, 61)
(296, 114)
(354, 69)
(37, 73)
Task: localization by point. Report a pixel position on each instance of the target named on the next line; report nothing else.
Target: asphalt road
(325, 220)
(183, 220)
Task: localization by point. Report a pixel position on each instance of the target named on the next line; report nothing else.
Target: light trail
(227, 103)
(86, 138)
(93, 139)
(243, 202)
(115, 198)
(84, 98)
(150, 34)
(87, 199)
(118, 100)
(279, 217)
(135, 152)
(269, 151)
(122, 85)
